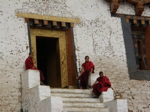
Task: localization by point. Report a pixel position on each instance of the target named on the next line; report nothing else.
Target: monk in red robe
(30, 65)
(101, 84)
(87, 68)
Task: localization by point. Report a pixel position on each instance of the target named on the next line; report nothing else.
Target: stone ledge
(107, 96)
(30, 79)
(119, 105)
(35, 98)
(56, 104)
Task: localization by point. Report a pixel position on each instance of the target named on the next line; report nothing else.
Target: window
(137, 44)
(141, 41)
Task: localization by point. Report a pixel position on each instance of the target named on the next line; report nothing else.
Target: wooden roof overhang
(48, 22)
(135, 20)
(138, 4)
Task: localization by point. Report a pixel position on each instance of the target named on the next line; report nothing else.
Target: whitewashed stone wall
(98, 35)
(13, 42)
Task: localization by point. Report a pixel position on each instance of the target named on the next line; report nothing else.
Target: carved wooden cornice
(48, 22)
(114, 5)
(139, 5)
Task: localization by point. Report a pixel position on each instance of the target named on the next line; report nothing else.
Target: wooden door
(61, 35)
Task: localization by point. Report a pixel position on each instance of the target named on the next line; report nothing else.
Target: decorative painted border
(48, 18)
(143, 20)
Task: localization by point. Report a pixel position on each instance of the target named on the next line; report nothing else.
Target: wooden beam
(135, 21)
(72, 25)
(143, 22)
(36, 21)
(63, 24)
(139, 8)
(127, 20)
(45, 22)
(49, 18)
(135, 1)
(132, 1)
(114, 6)
(54, 23)
(27, 20)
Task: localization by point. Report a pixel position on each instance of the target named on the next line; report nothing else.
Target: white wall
(13, 42)
(98, 35)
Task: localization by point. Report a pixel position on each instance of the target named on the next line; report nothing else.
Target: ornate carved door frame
(56, 24)
(61, 36)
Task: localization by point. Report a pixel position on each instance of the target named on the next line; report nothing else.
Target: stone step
(80, 100)
(71, 95)
(77, 91)
(83, 105)
(44, 92)
(85, 110)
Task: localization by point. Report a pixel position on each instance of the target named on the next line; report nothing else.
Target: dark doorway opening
(48, 60)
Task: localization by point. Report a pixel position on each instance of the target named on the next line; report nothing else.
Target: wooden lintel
(128, 17)
(49, 18)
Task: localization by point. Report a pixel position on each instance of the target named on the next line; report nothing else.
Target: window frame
(134, 73)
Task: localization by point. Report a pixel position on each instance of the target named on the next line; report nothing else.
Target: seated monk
(30, 65)
(87, 68)
(101, 84)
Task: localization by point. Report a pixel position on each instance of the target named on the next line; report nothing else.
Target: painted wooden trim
(61, 35)
(49, 18)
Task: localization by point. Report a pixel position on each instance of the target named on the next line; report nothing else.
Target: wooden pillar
(147, 42)
(71, 58)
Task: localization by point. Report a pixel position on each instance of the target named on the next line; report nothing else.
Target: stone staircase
(77, 100)
(42, 98)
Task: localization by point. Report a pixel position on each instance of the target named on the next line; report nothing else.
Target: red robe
(102, 85)
(30, 65)
(85, 75)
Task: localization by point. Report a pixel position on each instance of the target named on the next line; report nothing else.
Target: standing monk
(101, 84)
(30, 65)
(87, 68)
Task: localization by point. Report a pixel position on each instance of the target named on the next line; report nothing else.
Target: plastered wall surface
(98, 35)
